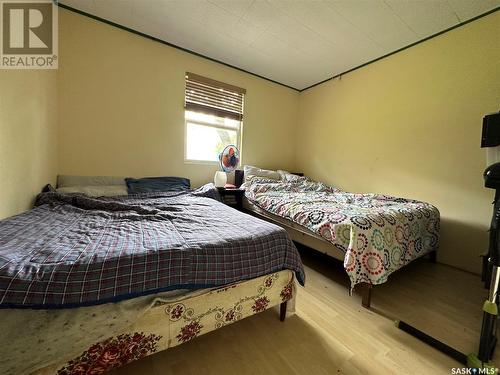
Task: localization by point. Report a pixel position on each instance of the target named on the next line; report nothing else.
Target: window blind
(213, 97)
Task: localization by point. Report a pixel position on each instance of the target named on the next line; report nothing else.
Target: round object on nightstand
(220, 179)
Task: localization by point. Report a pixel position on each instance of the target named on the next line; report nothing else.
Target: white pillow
(95, 191)
(289, 177)
(251, 171)
(282, 174)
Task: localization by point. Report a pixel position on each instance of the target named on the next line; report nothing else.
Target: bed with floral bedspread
(378, 233)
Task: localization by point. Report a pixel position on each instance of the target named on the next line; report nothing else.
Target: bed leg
(366, 295)
(283, 311)
(433, 256)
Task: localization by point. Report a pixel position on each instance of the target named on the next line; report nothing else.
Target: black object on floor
(442, 347)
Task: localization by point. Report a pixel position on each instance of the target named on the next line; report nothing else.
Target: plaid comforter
(72, 250)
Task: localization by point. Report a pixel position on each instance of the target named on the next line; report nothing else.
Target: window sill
(201, 162)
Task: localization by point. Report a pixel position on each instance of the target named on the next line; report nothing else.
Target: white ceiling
(294, 42)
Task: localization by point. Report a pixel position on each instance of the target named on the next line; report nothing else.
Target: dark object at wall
(48, 188)
(491, 130)
(238, 177)
(492, 176)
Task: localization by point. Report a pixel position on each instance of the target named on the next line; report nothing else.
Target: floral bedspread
(379, 233)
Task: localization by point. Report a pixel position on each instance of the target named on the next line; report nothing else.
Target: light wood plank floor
(332, 334)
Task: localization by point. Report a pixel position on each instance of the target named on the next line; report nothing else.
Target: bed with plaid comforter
(72, 250)
(378, 233)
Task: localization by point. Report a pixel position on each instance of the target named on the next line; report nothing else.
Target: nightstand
(237, 194)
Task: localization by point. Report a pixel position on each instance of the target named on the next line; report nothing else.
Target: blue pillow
(152, 184)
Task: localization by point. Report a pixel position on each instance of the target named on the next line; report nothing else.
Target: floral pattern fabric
(168, 323)
(113, 352)
(378, 233)
(269, 292)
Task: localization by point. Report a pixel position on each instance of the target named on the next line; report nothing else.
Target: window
(214, 114)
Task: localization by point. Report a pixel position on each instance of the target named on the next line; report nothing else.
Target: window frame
(238, 131)
(199, 99)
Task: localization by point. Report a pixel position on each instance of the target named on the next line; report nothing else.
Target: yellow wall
(121, 106)
(28, 127)
(410, 125)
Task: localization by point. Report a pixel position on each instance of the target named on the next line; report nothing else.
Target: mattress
(297, 232)
(249, 206)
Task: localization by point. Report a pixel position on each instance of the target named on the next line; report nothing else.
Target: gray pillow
(66, 180)
(95, 191)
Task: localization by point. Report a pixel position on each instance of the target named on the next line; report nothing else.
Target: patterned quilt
(379, 233)
(72, 250)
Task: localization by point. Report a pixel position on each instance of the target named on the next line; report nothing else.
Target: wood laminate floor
(332, 334)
